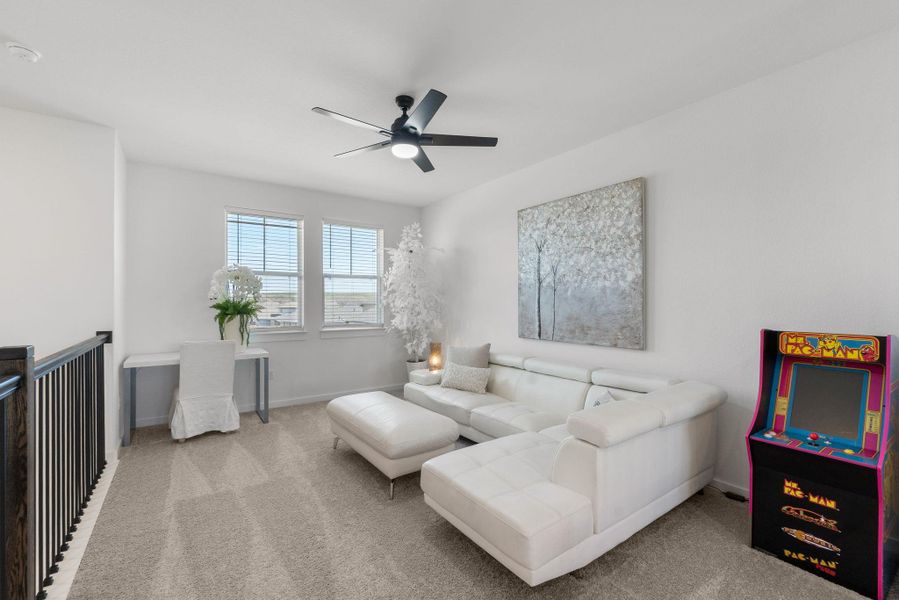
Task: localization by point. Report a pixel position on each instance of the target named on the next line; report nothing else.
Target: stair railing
(52, 455)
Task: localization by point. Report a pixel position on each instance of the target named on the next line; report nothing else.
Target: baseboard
(282, 402)
(726, 486)
(390, 389)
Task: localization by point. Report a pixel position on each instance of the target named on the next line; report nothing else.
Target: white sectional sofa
(563, 484)
(526, 394)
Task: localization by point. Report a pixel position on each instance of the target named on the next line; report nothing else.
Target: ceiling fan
(407, 134)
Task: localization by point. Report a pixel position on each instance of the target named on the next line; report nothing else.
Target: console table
(136, 362)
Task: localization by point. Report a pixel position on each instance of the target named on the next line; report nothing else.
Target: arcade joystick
(813, 438)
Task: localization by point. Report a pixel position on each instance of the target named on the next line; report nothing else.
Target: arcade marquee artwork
(825, 345)
(821, 454)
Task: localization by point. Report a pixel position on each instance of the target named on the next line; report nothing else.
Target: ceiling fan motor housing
(405, 102)
(404, 137)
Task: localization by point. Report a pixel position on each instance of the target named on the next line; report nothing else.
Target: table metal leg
(130, 406)
(265, 398)
(262, 389)
(258, 368)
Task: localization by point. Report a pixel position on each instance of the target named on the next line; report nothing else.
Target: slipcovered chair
(204, 398)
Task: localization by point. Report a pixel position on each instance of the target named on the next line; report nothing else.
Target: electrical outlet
(271, 375)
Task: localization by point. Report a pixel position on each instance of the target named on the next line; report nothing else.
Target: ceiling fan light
(404, 150)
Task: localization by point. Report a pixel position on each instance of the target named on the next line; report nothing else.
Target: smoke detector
(23, 52)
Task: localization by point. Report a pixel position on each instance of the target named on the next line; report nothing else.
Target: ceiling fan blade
(439, 139)
(350, 120)
(421, 159)
(425, 110)
(377, 146)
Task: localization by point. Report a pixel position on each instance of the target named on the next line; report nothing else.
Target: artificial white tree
(410, 293)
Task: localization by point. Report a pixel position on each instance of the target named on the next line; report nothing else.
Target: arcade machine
(822, 451)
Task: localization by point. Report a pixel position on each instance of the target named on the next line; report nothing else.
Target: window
(352, 261)
(271, 246)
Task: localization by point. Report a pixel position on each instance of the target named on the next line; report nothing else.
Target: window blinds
(352, 262)
(271, 247)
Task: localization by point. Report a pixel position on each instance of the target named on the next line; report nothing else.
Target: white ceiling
(226, 85)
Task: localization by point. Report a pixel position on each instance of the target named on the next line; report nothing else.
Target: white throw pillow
(469, 356)
(467, 379)
(594, 400)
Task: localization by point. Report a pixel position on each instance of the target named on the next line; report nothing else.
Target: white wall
(176, 240)
(772, 205)
(58, 205)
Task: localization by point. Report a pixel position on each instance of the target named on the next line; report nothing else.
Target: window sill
(277, 335)
(350, 332)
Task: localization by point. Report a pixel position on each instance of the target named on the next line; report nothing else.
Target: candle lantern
(435, 358)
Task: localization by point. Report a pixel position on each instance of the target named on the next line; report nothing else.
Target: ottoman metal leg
(336, 439)
(391, 488)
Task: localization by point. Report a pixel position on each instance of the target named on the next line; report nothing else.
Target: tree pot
(414, 366)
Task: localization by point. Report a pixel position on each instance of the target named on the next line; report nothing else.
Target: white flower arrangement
(235, 282)
(234, 291)
(410, 294)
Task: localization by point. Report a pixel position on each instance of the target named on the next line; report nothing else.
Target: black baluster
(40, 486)
(101, 412)
(88, 420)
(61, 463)
(88, 461)
(79, 455)
(48, 474)
(92, 422)
(57, 460)
(70, 453)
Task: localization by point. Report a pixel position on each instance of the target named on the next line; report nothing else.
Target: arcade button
(848, 451)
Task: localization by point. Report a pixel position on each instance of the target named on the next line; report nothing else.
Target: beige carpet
(273, 512)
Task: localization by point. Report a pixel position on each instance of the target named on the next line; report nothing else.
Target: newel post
(17, 475)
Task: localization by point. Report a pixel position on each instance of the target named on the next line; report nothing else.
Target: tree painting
(580, 268)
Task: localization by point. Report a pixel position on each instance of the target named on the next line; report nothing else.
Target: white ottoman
(394, 435)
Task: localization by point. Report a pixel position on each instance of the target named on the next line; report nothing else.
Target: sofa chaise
(555, 485)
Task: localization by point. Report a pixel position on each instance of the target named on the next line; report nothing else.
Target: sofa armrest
(425, 377)
(683, 401)
(613, 422)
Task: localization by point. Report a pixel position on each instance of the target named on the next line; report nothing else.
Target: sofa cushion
(498, 420)
(425, 377)
(503, 381)
(550, 394)
(628, 380)
(501, 489)
(538, 365)
(597, 395)
(469, 356)
(394, 428)
(454, 404)
(507, 360)
(614, 422)
(556, 432)
(467, 379)
(619, 394)
(684, 401)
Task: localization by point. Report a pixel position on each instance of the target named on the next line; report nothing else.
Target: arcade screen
(828, 401)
